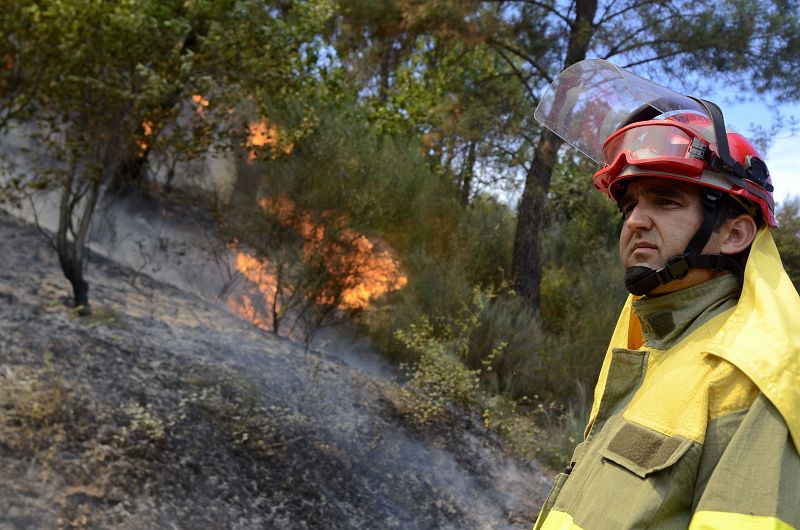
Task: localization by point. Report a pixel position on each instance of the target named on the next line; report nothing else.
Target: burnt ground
(163, 410)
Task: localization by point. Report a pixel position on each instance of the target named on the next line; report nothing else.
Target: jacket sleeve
(753, 480)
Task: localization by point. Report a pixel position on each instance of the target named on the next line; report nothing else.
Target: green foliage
(452, 250)
(484, 240)
(787, 238)
(546, 431)
(508, 319)
(346, 166)
(484, 359)
(341, 184)
(440, 378)
(580, 221)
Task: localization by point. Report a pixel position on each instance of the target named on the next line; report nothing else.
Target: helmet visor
(591, 99)
(661, 146)
(649, 142)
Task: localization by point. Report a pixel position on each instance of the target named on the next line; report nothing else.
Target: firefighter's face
(661, 217)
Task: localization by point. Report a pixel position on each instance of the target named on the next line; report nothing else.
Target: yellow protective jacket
(701, 434)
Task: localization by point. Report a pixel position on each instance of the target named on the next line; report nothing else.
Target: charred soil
(163, 410)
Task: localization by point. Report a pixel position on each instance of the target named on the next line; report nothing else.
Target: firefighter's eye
(668, 203)
(626, 209)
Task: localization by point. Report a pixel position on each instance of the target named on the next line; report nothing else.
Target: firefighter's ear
(737, 234)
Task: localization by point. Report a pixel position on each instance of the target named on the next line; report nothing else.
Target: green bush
(545, 431)
(787, 238)
(508, 319)
(435, 293)
(440, 377)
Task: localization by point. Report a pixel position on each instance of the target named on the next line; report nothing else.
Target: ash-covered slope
(165, 411)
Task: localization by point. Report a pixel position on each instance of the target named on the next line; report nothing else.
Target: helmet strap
(642, 280)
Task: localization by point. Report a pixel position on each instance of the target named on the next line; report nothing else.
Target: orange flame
(257, 272)
(265, 133)
(365, 272)
(147, 130)
(201, 104)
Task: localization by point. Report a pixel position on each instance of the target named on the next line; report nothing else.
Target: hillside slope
(165, 411)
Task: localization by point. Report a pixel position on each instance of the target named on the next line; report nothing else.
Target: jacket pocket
(640, 470)
(642, 450)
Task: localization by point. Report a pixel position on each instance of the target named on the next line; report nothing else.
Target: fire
(263, 133)
(201, 104)
(257, 272)
(147, 130)
(378, 275)
(364, 272)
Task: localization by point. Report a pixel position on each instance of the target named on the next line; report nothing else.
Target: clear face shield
(635, 128)
(592, 99)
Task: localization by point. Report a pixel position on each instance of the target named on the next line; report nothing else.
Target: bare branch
(640, 45)
(659, 57)
(606, 17)
(522, 55)
(510, 153)
(520, 75)
(528, 138)
(547, 7)
(618, 48)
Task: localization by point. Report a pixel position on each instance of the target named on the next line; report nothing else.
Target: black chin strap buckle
(676, 268)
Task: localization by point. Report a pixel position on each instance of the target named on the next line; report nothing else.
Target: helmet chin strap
(642, 280)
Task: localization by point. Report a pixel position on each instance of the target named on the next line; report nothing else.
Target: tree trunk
(386, 69)
(247, 182)
(467, 173)
(130, 175)
(71, 252)
(526, 265)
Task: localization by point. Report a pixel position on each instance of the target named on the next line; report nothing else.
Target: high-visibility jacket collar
(761, 336)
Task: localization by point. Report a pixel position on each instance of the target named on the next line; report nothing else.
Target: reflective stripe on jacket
(702, 435)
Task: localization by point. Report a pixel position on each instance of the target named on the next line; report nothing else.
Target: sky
(783, 154)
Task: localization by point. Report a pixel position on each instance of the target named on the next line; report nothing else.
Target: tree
(753, 45)
(434, 66)
(437, 82)
(88, 73)
(787, 238)
(102, 83)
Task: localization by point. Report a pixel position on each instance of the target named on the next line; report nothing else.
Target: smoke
(342, 441)
(175, 247)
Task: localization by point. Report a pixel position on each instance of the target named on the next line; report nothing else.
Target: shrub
(440, 377)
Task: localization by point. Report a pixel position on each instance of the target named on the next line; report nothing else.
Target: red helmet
(676, 147)
(637, 128)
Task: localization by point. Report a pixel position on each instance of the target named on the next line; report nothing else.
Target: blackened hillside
(163, 410)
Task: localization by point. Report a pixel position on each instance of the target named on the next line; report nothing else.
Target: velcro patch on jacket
(643, 450)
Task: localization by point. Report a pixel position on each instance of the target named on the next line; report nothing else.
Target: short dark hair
(731, 208)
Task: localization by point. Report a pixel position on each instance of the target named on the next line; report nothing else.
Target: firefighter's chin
(632, 277)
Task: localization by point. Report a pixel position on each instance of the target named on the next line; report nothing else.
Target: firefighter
(696, 414)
